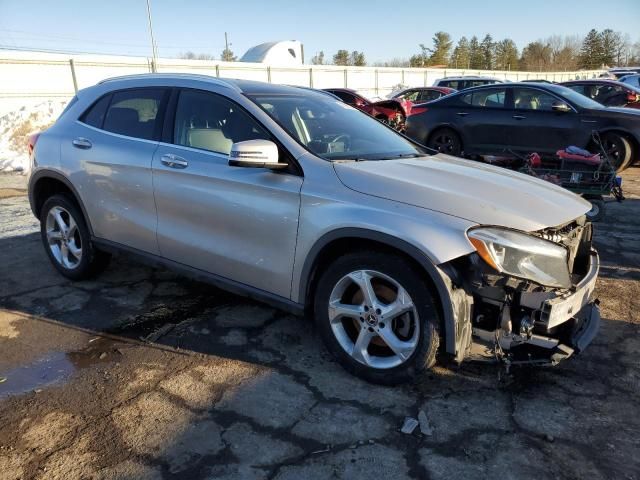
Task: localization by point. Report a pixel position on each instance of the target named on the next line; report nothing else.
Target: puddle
(57, 367)
(46, 371)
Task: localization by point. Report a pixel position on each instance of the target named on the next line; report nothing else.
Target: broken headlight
(522, 255)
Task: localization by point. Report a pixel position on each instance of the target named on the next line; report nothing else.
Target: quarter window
(207, 121)
(95, 115)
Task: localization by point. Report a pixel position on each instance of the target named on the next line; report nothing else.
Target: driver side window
(532, 99)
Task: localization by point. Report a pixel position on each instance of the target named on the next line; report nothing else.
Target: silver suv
(290, 196)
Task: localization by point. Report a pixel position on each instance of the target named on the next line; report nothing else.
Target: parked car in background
(469, 81)
(525, 117)
(620, 72)
(421, 94)
(393, 112)
(633, 80)
(291, 197)
(609, 93)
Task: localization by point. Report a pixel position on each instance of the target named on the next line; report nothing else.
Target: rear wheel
(597, 209)
(446, 141)
(377, 317)
(618, 149)
(67, 240)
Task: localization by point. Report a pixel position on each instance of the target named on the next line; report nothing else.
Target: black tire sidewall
(623, 142)
(457, 142)
(84, 268)
(403, 272)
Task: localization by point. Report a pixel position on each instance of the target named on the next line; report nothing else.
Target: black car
(607, 92)
(524, 117)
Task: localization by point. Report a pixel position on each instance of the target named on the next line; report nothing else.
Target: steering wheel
(345, 138)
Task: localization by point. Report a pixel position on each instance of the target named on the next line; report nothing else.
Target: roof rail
(193, 76)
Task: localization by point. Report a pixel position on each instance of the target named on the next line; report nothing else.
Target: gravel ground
(142, 374)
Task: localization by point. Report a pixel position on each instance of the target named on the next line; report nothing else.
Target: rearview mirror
(560, 107)
(255, 154)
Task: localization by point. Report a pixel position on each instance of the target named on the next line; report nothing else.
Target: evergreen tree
(486, 47)
(505, 55)
(441, 49)
(610, 45)
(228, 56)
(591, 53)
(460, 57)
(341, 58)
(357, 59)
(476, 60)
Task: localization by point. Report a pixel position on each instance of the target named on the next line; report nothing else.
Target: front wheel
(377, 317)
(618, 149)
(446, 141)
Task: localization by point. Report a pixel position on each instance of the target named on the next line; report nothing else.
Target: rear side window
(95, 115)
(134, 112)
(488, 98)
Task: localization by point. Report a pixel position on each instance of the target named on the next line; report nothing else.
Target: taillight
(32, 143)
(417, 110)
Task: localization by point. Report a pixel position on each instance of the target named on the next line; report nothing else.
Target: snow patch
(15, 128)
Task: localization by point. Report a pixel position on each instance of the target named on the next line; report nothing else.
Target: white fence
(32, 77)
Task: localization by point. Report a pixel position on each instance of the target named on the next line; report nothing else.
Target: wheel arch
(338, 242)
(45, 183)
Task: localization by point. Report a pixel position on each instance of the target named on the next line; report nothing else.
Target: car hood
(481, 193)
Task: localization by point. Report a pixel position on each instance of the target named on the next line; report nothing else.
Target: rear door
(237, 223)
(483, 120)
(113, 144)
(537, 127)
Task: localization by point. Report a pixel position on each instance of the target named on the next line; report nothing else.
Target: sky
(382, 30)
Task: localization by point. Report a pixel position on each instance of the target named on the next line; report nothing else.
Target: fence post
(402, 76)
(310, 77)
(376, 80)
(425, 77)
(73, 75)
(345, 78)
(269, 73)
(217, 70)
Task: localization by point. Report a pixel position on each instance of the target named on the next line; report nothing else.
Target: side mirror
(560, 107)
(255, 154)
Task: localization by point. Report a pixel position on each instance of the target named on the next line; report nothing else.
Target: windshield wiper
(404, 155)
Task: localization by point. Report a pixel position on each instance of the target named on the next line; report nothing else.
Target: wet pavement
(142, 374)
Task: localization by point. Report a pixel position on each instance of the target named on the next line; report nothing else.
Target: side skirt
(216, 280)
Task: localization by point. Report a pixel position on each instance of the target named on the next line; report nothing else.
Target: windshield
(576, 98)
(333, 130)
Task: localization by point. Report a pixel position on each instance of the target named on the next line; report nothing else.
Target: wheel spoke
(75, 250)
(360, 347)
(54, 235)
(400, 305)
(363, 280)
(338, 310)
(60, 221)
(401, 348)
(72, 227)
(64, 254)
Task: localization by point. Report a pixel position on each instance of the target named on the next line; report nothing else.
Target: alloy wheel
(374, 319)
(63, 237)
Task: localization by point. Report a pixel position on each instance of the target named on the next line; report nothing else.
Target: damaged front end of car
(529, 294)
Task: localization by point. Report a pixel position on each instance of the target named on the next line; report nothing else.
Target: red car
(609, 93)
(392, 112)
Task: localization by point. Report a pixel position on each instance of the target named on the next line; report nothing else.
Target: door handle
(519, 117)
(462, 114)
(82, 143)
(173, 161)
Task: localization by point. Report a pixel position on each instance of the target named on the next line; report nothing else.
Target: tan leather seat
(208, 139)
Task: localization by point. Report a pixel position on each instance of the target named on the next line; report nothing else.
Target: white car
(467, 81)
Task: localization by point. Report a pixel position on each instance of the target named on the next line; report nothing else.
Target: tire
(69, 246)
(597, 211)
(446, 141)
(415, 332)
(618, 149)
